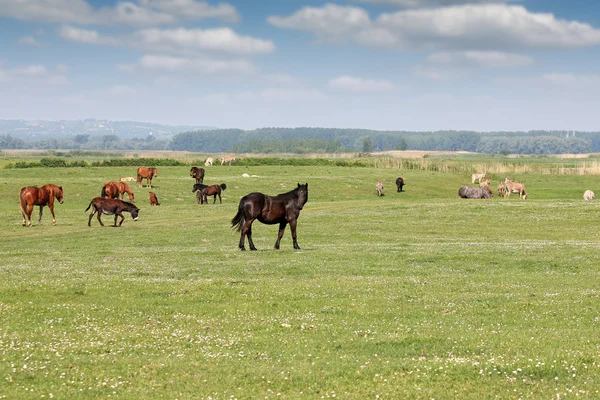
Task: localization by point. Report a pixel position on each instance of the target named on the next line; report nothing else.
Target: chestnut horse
(282, 209)
(154, 199)
(204, 191)
(115, 190)
(34, 196)
(147, 173)
(197, 174)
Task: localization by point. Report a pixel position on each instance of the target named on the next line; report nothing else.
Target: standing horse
(112, 206)
(197, 174)
(227, 160)
(282, 209)
(115, 190)
(205, 191)
(147, 173)
(400, 183)
(379, 189)
(33, 196)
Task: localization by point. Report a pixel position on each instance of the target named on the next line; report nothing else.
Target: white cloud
(489, 27)
(359, 85)
(86, 36)
(574, 80)
(34, 74)
(29, 41)
(430, 3)
(489, 59)
(277, 95)
(329, 22)
(183, 40)
(145, 13)
(202, 65)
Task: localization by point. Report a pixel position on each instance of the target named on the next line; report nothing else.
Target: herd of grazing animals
(282, 209)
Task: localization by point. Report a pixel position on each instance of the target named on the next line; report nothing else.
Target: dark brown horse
(204, 191)
(147, 173)
(115, 190)
(282, 209)
(400, 183)
(33, 196)
(112, 206)
(197, 174)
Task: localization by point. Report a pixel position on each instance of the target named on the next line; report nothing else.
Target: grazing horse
(514, 187)
(588, 195)
(282, 209)
(147, 173)
(208, 162)
(482, 192)
(33, 196)
(227, 159)
(400, 183)
(112, 206)
(485, 181)
(154, 199)
(477, 177)
(379, 188)
(115, 190)
(500, 188)
(204, 191)
(197, 174)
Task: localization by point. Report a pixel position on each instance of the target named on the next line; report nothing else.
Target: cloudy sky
(376, 64)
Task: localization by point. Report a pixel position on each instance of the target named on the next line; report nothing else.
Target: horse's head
(134, 213)
(302, 191)
(59, 194)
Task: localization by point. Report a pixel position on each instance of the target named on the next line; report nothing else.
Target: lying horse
(468, 192)
(204, 191)
(588, 195)
(282, 209)
(31, 196)
(400, 183)
(514, 187)
(147, 173)
(379, 188)
(154, 199)
(115, 190)
(477, 177)
(197, 174)
(112, 206)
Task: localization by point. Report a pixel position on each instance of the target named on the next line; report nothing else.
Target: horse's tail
(223, 186)
(89, 205)
(103, 193)
(238, 221)
(22, 202)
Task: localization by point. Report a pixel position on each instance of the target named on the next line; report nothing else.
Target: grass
(411, 295)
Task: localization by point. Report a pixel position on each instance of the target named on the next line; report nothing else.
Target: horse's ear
(306, 185)
(60, 187)
(298, 185)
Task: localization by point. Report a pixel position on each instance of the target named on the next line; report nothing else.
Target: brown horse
(197, 174)
(204, 191)
(112, 206)
(282, 209)
(33, 196)
(147, 173)
(115, 190)
(154, 199)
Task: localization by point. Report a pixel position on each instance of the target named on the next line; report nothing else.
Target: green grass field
(412, 295)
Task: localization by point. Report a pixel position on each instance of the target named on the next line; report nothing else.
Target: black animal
(468, 192)
(400, 183)
(197, 174)
(103, 205)
(282, 209)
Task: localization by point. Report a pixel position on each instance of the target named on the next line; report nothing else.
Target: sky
(424, 65)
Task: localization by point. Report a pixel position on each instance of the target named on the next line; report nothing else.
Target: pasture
(418, 294)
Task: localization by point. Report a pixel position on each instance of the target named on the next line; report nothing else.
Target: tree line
(329, 140)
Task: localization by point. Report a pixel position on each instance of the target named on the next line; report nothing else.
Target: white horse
(379, 188)
(589, 195)
(477, 177)
(208, 162)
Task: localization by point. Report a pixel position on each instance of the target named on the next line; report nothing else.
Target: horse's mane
(129, 204)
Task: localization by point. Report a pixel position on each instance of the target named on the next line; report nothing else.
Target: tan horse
(500, 189)
(477, 177)
(485, 181)
(227, 160)
(514, 187)
(31, 196)
(147, 173)
(379, 188)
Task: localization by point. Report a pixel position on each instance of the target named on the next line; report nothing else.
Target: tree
(401, 144)
(367, 144)
(82, 138)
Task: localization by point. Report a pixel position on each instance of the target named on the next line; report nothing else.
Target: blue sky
(376, 64)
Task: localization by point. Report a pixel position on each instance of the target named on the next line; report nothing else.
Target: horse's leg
(99, 214)
(220, 200)
(51, 207)
(293, 229)
(215, 198)
(91, 216)
(41, 212)
(244, 231)
(280, 233)
(24, 213)
(249, 234)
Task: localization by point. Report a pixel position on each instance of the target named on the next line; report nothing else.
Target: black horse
(400, 183)
(281, 209)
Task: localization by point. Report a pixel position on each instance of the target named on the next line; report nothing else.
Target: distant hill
(95, 128)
